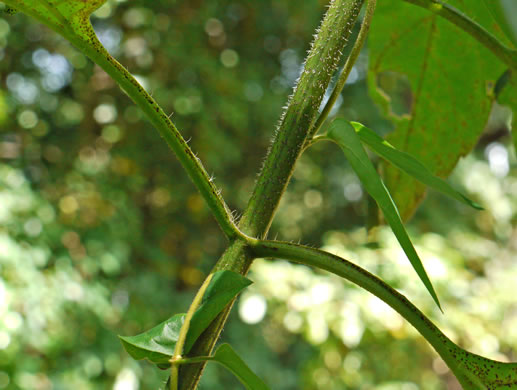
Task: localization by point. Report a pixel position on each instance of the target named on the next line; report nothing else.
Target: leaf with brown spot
(439, 105)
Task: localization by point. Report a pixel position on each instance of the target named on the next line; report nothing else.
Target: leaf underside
(444, 104)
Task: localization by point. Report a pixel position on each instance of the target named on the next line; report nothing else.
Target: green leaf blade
(345, 136)
(158, 343)
(226, 356)
(224, 286)
(409, 164)
(445, 104)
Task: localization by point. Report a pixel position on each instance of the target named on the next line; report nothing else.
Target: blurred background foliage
(102, 233)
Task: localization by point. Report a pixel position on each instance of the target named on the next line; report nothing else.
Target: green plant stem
(314, 140)
(504, 53)
(355, 274)
(182, 337)
(165, 127)
(300, 115)
(295, 124)
(349, 64)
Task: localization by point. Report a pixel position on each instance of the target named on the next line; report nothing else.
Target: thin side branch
(355, 274)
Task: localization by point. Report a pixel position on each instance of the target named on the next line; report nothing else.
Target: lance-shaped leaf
(345, 136)
(226, 356)
(408, 164)
(157, 344)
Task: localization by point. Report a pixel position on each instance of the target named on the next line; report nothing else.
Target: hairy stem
(300, 115)
(349, 64)
(504, 53)
(295, 125)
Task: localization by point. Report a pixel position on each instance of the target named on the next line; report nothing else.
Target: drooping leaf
(345, 136)
(439, 106)
(408, 164)
(502, 16)
(157, 344)
(227, 356)
(224, 286)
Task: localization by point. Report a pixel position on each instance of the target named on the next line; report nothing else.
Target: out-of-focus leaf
(345, 136)
(223, 287)
(445, 103)
(157, 344)
(500, 15)
(408, 164)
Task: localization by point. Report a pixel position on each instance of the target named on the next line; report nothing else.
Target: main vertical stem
(295, 125)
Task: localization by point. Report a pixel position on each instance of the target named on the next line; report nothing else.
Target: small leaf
(345, 136)
(157, 344)
(224, 286)
(408, 164)
(226, 356)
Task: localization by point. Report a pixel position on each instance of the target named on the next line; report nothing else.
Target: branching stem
(349, 64)
(190, 162)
